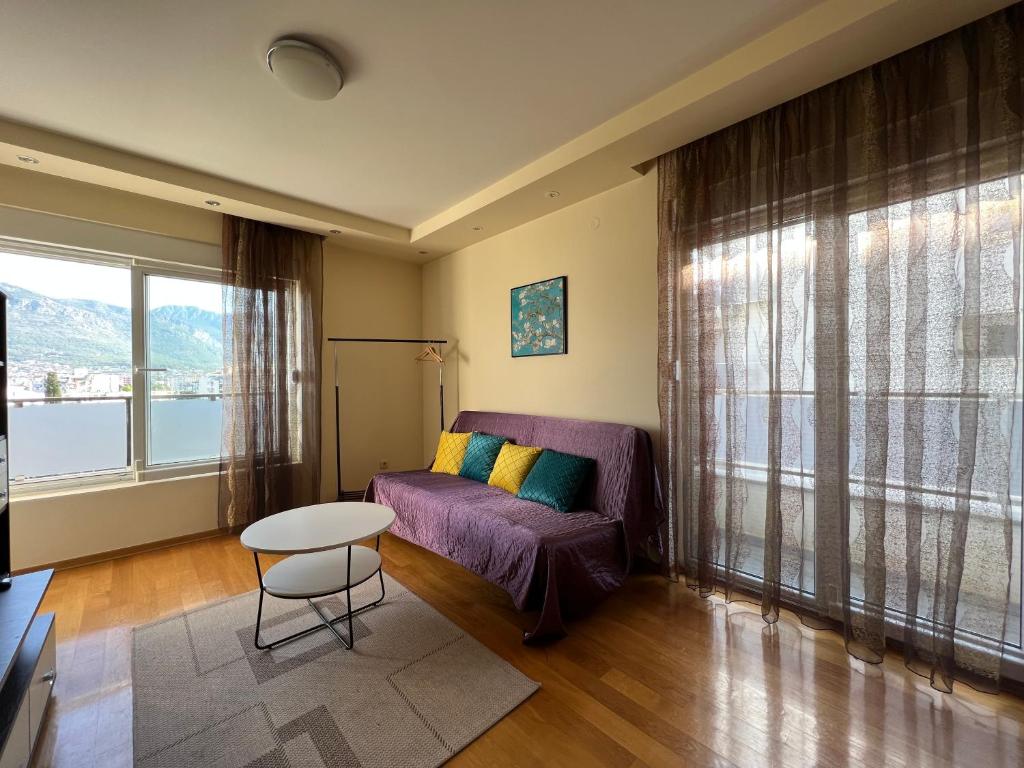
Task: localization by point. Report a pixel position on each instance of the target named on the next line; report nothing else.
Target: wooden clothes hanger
(429, 355)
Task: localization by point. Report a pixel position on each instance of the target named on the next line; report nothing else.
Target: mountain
(186, 338)
(79, 332)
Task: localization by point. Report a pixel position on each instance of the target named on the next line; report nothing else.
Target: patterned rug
(413, 692)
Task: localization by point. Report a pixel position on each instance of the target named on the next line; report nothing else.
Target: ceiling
(457, 119)
(441, 99)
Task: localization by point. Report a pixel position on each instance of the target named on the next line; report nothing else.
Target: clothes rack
(335, 340)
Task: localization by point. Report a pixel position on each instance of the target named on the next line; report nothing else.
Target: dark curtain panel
(270, 452)
(840, 354)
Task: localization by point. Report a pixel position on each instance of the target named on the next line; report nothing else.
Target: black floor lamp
(428, 355)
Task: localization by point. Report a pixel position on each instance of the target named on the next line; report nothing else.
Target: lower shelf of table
(320, 573)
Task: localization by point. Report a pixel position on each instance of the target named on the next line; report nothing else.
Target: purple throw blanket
(561, 564)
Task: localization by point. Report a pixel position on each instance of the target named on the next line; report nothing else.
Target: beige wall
(364, 295)
(71, 524)
(607, 246)
(371, 296)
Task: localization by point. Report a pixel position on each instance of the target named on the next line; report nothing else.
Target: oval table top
(318, 527)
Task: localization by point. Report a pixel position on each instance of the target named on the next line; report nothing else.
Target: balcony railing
(60, 436)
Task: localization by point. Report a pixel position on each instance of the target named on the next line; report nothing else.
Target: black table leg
(325, 621)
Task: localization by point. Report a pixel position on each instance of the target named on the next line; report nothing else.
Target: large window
(115, 366)
(922, 385)
(840, 357)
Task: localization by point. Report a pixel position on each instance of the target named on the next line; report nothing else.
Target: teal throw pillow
(555, 479)
(481, 453)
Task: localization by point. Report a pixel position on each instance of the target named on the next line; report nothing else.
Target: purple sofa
(559, 564)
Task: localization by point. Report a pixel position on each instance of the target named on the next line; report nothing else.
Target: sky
(60, 279)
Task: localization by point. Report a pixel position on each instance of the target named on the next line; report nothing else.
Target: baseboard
(115, 554)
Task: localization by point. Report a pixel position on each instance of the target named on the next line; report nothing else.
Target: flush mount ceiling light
(27, 159)
(304, 69)
(335, 231)
(477, 229)
(553, 193)
(212, 203)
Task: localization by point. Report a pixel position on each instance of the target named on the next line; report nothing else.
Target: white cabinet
(42, 682)
(29, 687)
(19, 744)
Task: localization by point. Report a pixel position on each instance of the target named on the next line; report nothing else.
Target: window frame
(145, 469)
(140, 469)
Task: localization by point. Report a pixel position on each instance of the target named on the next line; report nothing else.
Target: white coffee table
(324, 558)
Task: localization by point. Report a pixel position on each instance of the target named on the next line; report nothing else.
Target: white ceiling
(442, 98)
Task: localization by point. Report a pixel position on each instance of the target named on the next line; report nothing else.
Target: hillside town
(27, 380)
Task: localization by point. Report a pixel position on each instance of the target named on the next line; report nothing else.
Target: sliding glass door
(931, 414)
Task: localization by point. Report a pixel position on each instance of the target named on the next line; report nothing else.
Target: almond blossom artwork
(539, 318)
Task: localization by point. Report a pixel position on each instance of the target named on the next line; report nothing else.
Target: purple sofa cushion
(487, 530)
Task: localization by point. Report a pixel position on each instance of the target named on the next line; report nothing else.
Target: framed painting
(540, 318)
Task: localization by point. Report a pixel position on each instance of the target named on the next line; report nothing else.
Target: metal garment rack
(337, 386)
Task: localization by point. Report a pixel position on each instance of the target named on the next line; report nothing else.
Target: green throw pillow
(480, 456)
(555, 479)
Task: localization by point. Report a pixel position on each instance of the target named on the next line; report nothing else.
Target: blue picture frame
(540, 318)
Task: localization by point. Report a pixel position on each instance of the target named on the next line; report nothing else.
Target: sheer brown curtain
(840, 354)
(270, 452)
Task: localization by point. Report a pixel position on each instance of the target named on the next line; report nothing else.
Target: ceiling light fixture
(212, 203)
(28, 159)
(477, 229)
(422, 253)
(553, 194)
(304, 69)
(335, 231)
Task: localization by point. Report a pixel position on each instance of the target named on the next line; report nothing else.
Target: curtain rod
(393, 341)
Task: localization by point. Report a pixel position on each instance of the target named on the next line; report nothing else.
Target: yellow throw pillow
(451, 450)
(513, 464)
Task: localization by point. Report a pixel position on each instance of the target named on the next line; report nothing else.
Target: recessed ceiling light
(477, 229)
(28, 159)
(305, 69)
(212, 203)
(335, 231)
(553, 194)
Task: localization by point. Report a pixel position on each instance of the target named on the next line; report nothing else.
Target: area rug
(414, 691)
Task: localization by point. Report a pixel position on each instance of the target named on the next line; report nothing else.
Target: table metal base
(325, 621)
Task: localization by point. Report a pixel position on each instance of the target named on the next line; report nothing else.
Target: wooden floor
(656, 677)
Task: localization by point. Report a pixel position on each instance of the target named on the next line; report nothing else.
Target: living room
(511, 384)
